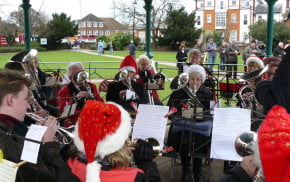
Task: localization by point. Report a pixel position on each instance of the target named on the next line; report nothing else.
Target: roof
(91, 17)
(109, 23)
(263, 8)
(112, 24)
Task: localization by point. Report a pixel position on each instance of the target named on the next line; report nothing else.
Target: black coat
(204, 95)
(50, 166)
(114, 89)
(236, 174)
(277, 91)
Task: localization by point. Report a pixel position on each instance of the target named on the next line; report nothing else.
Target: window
(222, 5)
(101, 32)
(233, 18)
(234, 2)
(96, 32)
(247, 3)
(89, 24)
(209, 3)
(83, 32)
(233, 35)
(107, 32)
(245, 36)
(101, 24)
(220, 19)
(89, 32)
(95, 24)
(245, 20)
(259, 18)
(81, 24)
(208, 18)
(198, 20)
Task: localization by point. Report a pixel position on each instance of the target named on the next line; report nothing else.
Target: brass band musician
(178, 99)
(75, 93)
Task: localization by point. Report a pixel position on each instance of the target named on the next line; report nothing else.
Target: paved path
(120, 57)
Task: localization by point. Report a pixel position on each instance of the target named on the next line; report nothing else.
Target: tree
(216, 36)
(120, 40)
(160, 7)
(60, 27)
(259, 31)
(180, 27)
(38, 21)
(9, 31)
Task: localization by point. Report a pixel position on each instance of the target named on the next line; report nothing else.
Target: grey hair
(143, 57)
(71, 65)
(194, 51)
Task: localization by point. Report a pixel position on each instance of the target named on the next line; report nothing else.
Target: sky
(74, 8)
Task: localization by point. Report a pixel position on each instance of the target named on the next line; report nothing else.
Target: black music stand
(189, 127)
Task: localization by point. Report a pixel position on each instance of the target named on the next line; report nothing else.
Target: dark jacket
(204, 95)
(236, 174)
(232, 54)
(278, 52)
(181, 56)
(277, 91)
(114, 89)
(50, 166)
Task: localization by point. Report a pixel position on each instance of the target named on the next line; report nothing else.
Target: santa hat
(254, 59)
(102, 129)
(274, 145)
(197, 69)
(128, 64)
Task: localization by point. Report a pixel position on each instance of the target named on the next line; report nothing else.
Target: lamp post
(26, 7)
(270, 27)
(134, 12)
(148, 7)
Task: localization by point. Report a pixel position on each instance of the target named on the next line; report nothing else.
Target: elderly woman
(145, 72)
(181, 139)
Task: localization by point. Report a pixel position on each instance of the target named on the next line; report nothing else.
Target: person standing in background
(100, 47)
(279, 50)
(181, 57)
(223, 55)
(132, 49)
(233, 52)
(211, 49)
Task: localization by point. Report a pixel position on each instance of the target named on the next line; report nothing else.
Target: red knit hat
(274, 145)
(128, 64)
(102, 129)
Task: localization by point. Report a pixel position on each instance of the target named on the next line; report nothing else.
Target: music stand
(189, 127)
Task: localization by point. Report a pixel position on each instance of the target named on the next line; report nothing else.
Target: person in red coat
(77, 93)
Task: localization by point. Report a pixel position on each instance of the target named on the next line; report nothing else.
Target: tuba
(81, 78)
(27, 59)
(244, 145)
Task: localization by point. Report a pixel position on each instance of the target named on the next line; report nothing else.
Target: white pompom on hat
(254, 59)
(197, 69)
(101, 130)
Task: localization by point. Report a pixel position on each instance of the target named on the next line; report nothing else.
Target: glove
(143, 152)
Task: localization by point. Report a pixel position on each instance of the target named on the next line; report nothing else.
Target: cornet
(81, 78)
(62, 135)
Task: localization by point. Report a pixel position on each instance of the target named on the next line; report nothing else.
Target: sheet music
(7, 171)
(151, 123)
(227, 124)
(31, 149)
(130, 95)
(68, 110)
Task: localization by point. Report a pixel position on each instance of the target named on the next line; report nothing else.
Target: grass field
(101, 67)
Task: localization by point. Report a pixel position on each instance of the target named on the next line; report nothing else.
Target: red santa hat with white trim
(129, 64)
(255, 59)
(102, 129)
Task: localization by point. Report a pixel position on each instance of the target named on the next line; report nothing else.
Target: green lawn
(100, 66)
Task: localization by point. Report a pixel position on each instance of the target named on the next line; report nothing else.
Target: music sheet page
(31, 149)
(7, 171)
(227, 124)
(151, 123)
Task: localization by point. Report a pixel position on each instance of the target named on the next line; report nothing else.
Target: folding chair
(103, 87)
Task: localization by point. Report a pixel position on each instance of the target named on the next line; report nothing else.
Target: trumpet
(62, 135)
(244, 145)
(152, 141)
